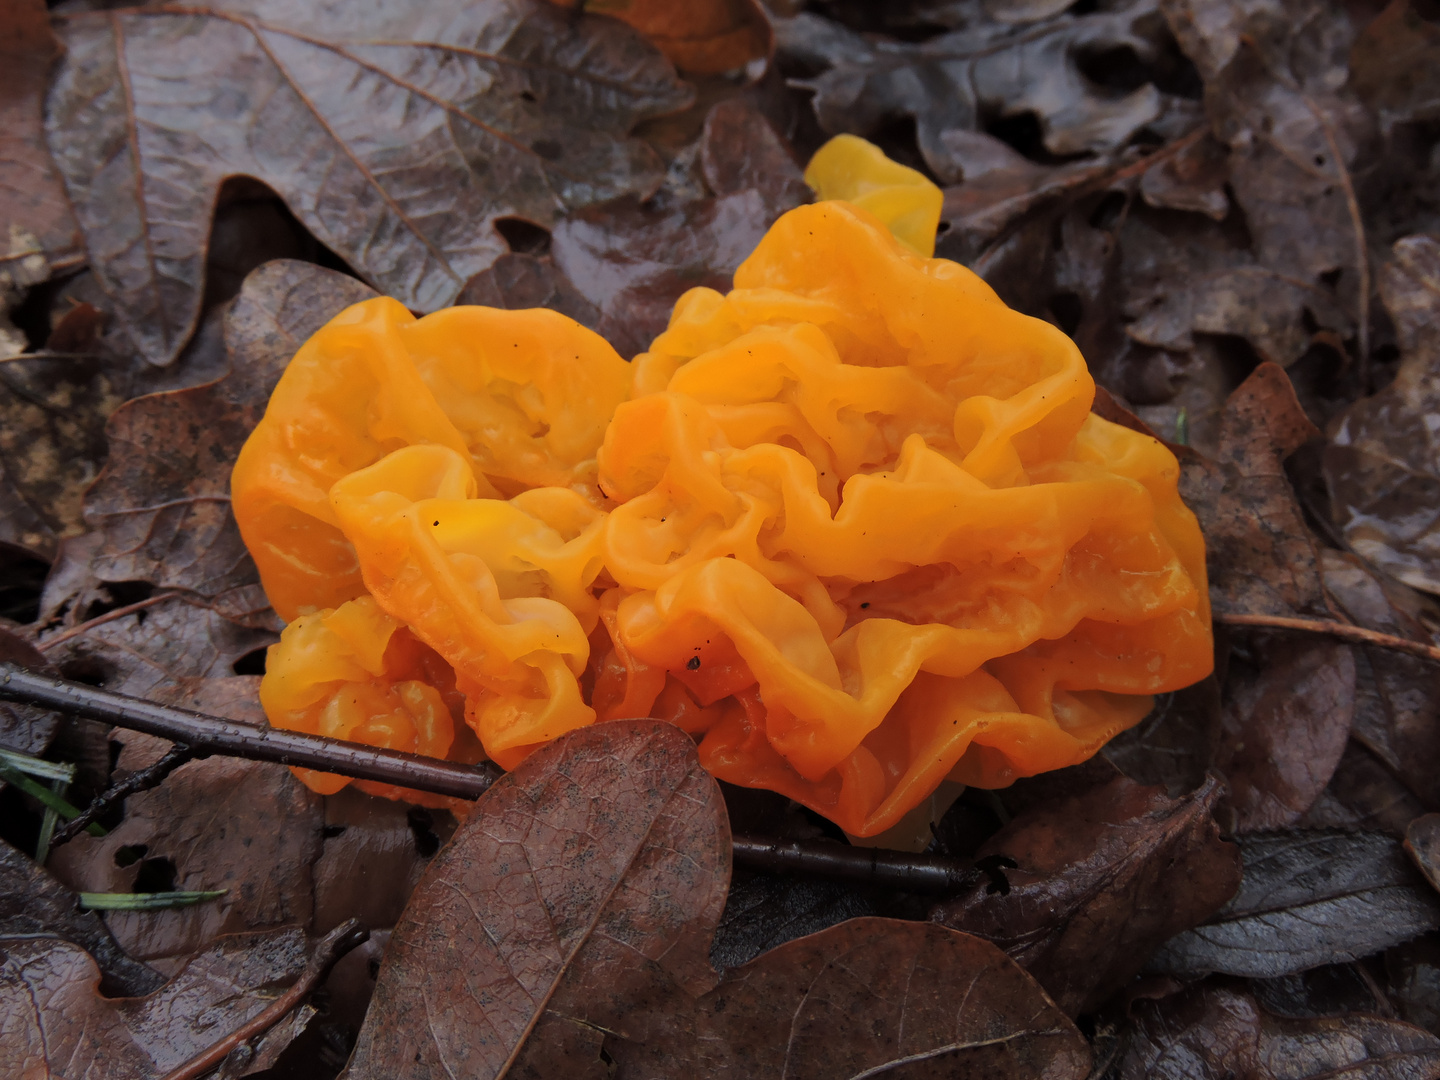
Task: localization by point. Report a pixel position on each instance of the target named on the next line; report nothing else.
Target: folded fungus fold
(852, 525)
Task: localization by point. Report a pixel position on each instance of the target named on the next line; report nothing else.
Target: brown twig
(332, 947)
(109, 616)
(143, 780)
(210, 734)
(218, 736)
(1356, 635)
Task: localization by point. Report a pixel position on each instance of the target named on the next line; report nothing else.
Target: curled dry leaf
(1214, 1031)
(34, 905)
(162, 501)
(1102, 880)
(1306, 899)
(705, 37)
(988, 69)
(1383, 463)
(567, 927)
(37, 230)
(58, 1026)
(398, 140)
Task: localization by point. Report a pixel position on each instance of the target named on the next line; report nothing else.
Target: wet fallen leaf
(157, 650)
(632, 261)
(39, 230)
(706, 37)
(1383, 462)
(1102, 880)
(58, 1026)
(34, 905)
(162, 501)
(1308, 898)
(874, 997)
(398, 135)
(1215, 1031)
(1174, 745)
(244, 826)
(988, 69)
(577, 901)
(568, 926)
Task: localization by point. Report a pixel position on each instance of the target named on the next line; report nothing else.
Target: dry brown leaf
(57, 1026)
(705, 37)
(397, 133)
(1395, 64)
(1103, 878)
(162, 502)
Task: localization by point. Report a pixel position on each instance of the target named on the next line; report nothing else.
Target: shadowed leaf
(1308, 898)
(1102, 879)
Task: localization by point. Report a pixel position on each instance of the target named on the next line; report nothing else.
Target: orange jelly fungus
(851, 525)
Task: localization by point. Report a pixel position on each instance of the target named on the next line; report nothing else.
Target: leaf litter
(1232, 205)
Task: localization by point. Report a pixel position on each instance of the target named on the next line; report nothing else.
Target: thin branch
(1356, 635)
(218, 736)
(143, 780)
(109, 616)
(210, 734)
(331, 948)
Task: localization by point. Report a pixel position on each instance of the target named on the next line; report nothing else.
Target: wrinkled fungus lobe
(852, 525)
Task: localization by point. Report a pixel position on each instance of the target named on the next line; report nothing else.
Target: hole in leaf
(1118, 68)
(524, 237)
(22, 577)
(130, 854)
(1067, 308)
(252, 663)
(156, 875)
(422, 827)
